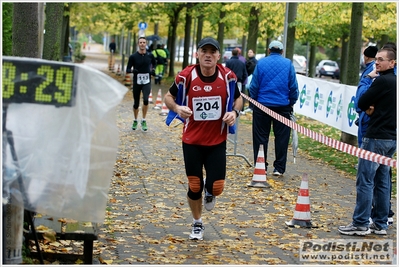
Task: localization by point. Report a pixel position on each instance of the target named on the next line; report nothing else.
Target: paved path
(148, 220)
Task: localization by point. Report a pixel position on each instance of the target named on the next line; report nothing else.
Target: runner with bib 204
(206, 98)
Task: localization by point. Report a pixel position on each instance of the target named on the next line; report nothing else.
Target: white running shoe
(197, 232)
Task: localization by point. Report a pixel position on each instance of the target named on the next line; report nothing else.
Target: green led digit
(9, 72)
(48, 73)
(63, 81)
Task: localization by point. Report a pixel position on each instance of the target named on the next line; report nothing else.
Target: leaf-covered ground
(148, 219)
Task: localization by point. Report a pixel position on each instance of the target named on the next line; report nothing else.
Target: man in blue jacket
(364, 83)
(275, 86)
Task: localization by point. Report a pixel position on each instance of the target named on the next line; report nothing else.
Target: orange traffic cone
(164, 110)
(118, 71)
(158, 103)
(127, 80)
(302, 208)
(259, 177)
(150, 97)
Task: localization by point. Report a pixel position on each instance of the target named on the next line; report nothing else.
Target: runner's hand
(184, 112)
(230, 118)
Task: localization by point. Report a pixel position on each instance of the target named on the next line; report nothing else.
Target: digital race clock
(38, 81)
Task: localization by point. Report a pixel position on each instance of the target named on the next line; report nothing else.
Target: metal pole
(285, 28)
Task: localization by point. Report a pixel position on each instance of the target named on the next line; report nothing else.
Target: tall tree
(27, 28)
(220, 32)
(187, 33)
(53, 42)
(289, 49)
(355, 45)
(173, 11)
(253, 28)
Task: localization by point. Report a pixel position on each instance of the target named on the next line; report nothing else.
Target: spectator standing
(205, 97)
(167, 58)
(112, 46)
(250, 65)
(251, 62)
(238, 67)
(160, 57)
(364, 83)
(275, 86)
(373, 179)
(141, 64)
(240, 56)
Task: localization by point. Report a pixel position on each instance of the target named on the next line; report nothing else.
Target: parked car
(327, 68)
(301, 59)
(299, 67)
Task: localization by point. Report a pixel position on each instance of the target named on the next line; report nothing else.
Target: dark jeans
(261, 126)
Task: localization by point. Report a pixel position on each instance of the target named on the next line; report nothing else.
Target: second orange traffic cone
(259, 177)
(158, 103)
(164, 110)
(302, 207)
(150, 98)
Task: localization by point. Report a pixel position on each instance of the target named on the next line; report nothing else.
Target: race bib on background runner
(207, 108)
(143, 78)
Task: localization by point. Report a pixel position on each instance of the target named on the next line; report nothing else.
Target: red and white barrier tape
(352, 150)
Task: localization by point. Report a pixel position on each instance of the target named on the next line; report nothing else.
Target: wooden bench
(65, 229)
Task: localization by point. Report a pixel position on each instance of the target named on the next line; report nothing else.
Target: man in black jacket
(240, 70)
(373, 179)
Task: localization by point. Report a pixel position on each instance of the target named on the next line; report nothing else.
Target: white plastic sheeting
(65, 154)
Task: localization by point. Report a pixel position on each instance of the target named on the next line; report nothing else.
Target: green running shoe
(134, 126)
(144, 126)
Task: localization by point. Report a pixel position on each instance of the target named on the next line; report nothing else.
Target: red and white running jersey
(208, 103)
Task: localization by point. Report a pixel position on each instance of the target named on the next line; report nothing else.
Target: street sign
(142, 25)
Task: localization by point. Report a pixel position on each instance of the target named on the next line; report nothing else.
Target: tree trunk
(221, 32)
(187, 35)
(52, 46)
(7, 28)
(292, 12)
(65, 31)
(200, 28)
(384, 40)
(312, 60)
(355, 46)
(26, 30)
(343, 69)
(172, 35)
(253, 28)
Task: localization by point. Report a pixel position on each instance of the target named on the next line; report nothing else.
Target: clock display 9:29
(39, 82)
